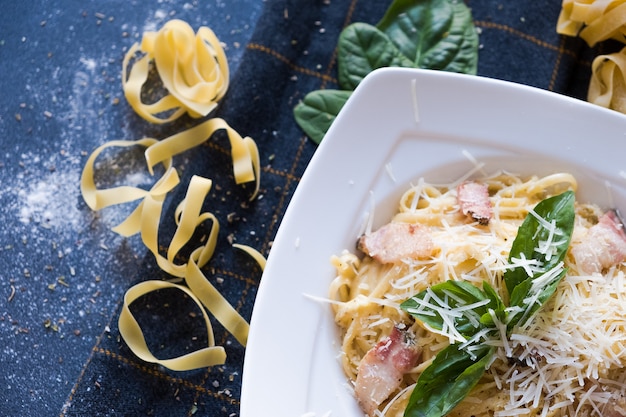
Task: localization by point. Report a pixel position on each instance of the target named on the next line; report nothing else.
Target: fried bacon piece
(603, 246)
(473, 198)
(382, 368)
(396, 241)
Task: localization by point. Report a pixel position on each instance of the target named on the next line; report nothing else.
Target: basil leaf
(361, 49)
(450, 295)
(434, 34)
(559, 209)
(318, 110)
(497, 305)
(447, 381)
(530, 291)
(529, 299)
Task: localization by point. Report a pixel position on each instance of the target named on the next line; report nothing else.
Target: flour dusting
(51, 201)
(46, 191)
(159, 18)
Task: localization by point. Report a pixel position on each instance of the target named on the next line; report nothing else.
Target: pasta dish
(562, 356)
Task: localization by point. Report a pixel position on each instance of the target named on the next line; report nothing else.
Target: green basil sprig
(430, 34)
(447, 380)
(457, 305)
(547, 246)
(479, 315)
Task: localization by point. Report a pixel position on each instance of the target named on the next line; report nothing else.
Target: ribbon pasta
(193, 69)
(145, 219)
(245, 155)
(596, 21)
(607, 87)
(593, 20)
(132, 334)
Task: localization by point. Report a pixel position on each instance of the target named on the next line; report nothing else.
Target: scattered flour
(46, 189)
(89, 63)
(45, 193)
(158, 19)
(51, 201)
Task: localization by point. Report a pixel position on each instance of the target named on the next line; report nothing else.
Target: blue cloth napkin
(63, 272)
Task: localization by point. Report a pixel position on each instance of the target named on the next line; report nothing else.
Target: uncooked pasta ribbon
(194, 72)
(192, 67)
(98, 199)
(607, 87)
(244, 152)
(188, 216)
(593, 20)
(244, 156)
(596, 21)
(133, 335)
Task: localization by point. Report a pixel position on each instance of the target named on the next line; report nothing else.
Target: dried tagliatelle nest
(192, 67)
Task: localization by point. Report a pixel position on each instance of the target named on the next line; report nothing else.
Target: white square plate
(398, 126)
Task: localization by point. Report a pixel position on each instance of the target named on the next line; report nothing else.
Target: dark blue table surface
(63, 272)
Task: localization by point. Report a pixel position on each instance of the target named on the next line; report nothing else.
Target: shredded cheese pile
(195, 72)
(581, 340)
(597, 21)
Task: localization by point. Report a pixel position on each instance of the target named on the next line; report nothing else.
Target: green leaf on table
(428, 34)
(318, 110)
(361, 49)
(433, 34)
(447, 381)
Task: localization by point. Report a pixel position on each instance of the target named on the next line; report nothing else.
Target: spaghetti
(568, 360)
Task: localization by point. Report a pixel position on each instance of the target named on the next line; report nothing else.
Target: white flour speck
(89, 63)
(45, 193)
(159, 18)
(51, 201)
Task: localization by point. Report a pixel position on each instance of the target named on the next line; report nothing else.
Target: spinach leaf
(434, 34)
(318, 110)
(361, 49)
(451, 376)
(543, 238)
(430, 34)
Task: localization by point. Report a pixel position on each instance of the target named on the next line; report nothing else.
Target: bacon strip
(603, 246)
(397, 241)
(473, 197)
(382, 368)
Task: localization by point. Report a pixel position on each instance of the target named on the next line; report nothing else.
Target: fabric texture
(63, 272)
